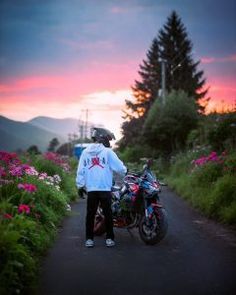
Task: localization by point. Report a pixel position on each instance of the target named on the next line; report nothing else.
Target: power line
(183, 46)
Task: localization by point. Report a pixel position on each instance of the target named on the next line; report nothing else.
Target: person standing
(95, 173)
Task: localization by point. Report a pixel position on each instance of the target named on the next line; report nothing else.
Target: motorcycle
(137, 204)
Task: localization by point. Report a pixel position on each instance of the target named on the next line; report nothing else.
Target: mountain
(16, 135)
(60, 126)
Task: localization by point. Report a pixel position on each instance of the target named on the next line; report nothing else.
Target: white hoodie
(95, 168)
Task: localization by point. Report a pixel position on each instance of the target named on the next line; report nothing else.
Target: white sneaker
(110, 243)
(89, 243)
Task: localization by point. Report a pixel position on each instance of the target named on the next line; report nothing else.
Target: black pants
(93, 200)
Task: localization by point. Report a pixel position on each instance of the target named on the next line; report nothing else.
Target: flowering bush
(212, 157)
(7, 216)
(31, 188)
(22, 208)
(58, 160)
(224, 163)
(34, 197)
(210, 186)
(51, 180)
(207, 168)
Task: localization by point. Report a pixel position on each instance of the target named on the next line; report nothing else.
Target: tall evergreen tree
(145, 91)
(176, 51)
(174, 48)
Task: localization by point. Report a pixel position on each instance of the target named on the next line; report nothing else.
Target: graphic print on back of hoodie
(95, 168)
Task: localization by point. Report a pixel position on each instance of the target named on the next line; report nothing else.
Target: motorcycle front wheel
(153, 229)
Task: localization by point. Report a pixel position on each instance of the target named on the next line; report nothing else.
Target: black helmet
(103, 136)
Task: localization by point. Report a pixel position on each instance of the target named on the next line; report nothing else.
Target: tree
(176, 52)
(65, 149)
(167, 126)
(172, 47)
(145, 91)
(53, 144)
(33, 149)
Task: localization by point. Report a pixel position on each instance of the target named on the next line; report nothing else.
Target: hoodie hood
(95, 148)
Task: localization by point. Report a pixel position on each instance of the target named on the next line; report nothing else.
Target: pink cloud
(65, 95)
(208, 60)
(70, 86)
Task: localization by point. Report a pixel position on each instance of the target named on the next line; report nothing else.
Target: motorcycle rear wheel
(154, 231)
(99, 225)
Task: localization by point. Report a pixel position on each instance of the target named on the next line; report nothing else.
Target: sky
(59, 58)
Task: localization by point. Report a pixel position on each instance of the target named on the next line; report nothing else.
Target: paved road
(196, 257)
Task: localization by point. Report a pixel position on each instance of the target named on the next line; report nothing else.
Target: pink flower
(58, 160)
(31, 188)
(20, 186)
(42, 176)
(7, 216)
(22, 208)
(8, 158)
(29, 170)
(2, 172)
(15, 170)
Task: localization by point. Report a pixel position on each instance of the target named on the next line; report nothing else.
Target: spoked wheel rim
(150, 230)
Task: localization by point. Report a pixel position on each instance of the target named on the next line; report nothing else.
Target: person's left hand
(81, 192)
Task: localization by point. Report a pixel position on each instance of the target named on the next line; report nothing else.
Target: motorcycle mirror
(145, 166)
(149, 162)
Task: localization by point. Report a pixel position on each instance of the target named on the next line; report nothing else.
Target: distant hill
(59, 126)
(16, 135)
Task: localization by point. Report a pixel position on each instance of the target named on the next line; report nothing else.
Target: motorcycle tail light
(134, 187)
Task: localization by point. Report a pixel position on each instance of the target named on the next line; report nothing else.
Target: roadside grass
(34, 196)
(210, 186)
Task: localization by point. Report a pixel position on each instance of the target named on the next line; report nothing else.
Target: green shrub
(133, 154)
(67, 181)
(230, 164)
(18, 267)
(25, 235)
(228, 213)
(222, 195)
(208, 173)
(211, 187)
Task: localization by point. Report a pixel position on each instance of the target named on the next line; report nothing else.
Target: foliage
(65, 149)
(167, 126)
(33, 149)
(173, 47)
(135, 153)
(222, 134)
(208, 182)
(131, 131)
(146, 90)
(34, 197)
(53, 144)
(176, 50)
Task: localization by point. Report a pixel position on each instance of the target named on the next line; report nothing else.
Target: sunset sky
(60, 57)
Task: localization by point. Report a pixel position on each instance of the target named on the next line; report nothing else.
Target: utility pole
(86, 124)
(163, 81)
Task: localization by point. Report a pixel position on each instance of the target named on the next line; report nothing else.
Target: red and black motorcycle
(137, 204)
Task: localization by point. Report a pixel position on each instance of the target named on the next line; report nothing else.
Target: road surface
(196, 257)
